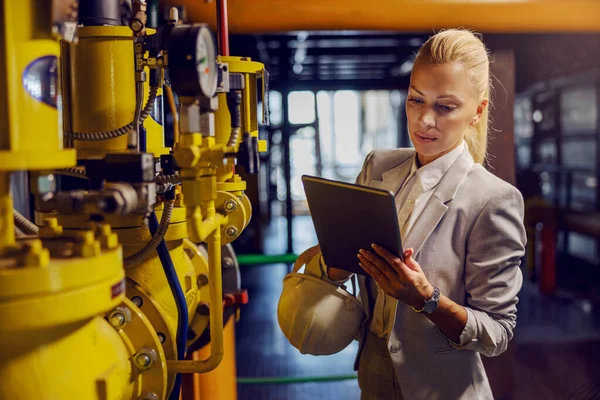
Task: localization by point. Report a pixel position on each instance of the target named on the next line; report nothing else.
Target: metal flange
(237, 213)
(140, 297)
(149, 367)
(199, 321)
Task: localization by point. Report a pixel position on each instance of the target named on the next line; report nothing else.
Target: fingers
(410, 261)
(374, 266)
(386, 255)
(382, 281)
(396, 263)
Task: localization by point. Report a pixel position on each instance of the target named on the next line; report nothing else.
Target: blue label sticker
(40, 80)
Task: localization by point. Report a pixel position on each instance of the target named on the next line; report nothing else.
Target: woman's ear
(480, 108)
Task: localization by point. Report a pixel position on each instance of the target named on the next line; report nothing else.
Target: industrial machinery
(121, 276)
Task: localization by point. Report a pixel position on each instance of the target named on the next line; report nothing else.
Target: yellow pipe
(402, 15)
(216, 314)
(7, 227)
(200, 228)
(82, 360)
(219, 384)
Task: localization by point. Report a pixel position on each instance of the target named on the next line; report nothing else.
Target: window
(275, 108)
(301, 108)
(578, 110)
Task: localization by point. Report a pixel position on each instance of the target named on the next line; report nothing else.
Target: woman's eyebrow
(450, 96)
(416, 90)
(444, 96)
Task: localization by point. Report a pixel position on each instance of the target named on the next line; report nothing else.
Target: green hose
(257, 259)
(287, 380)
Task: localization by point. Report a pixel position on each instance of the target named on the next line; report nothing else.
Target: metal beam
(360, 51)
(355, 58)
(355, 42)
(336, 84)
(260, 16)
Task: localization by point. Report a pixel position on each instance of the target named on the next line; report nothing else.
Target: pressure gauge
(192, 61)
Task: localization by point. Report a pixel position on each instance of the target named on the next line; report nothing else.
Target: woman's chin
(426, 149)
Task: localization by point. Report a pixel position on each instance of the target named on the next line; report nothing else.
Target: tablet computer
(349, 217)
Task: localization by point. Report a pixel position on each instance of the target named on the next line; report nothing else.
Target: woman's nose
(427, 119)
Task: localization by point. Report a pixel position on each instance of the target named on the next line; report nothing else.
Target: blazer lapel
(393, 179)
(436, 207)
(425, 224)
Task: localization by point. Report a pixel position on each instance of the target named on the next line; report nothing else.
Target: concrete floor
(556, 346)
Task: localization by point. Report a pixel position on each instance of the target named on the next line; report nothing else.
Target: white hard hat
(316, 316)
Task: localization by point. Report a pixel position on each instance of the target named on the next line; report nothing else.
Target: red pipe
(222, 28)
(548, 267)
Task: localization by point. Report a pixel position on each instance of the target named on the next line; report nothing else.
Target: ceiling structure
(346, 44)
(323, 60)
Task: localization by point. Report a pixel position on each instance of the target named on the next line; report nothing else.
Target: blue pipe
(182, 310)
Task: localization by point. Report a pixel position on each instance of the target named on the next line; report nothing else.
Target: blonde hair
(466, 47)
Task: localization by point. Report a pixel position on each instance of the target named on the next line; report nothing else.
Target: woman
(454, 297)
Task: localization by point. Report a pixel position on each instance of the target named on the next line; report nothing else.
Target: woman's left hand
(402, 280)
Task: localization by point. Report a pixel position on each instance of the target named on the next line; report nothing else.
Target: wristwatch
(431, 304)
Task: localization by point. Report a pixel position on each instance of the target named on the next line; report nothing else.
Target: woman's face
(440, 107)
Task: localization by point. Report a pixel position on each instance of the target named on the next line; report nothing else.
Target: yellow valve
(251, 71)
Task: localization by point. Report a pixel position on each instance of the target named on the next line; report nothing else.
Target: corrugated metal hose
(73, 172)
(149, 248)
(18, 232)
(166, 182)
(24, 225)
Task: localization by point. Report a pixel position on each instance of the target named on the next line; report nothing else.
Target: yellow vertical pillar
(220, 383)
(30, 133)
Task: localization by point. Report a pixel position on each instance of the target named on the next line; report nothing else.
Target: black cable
(182, 310)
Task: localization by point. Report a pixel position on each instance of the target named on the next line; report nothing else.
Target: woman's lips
(424, 138)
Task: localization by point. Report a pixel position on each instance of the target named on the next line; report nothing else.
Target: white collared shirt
(411, 199)
(419, 186)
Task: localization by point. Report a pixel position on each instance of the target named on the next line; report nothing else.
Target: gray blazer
(469, 242)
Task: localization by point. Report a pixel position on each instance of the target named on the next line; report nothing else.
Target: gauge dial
(206, 65)
(192, 61)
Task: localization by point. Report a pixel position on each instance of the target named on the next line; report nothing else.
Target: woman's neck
(423, 159)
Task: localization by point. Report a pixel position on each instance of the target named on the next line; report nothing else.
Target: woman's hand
(402, 280)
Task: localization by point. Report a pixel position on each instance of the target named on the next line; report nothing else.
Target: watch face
(430, 307)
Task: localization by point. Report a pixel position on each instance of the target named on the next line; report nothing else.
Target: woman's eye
(446, 108)
(416, 101)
